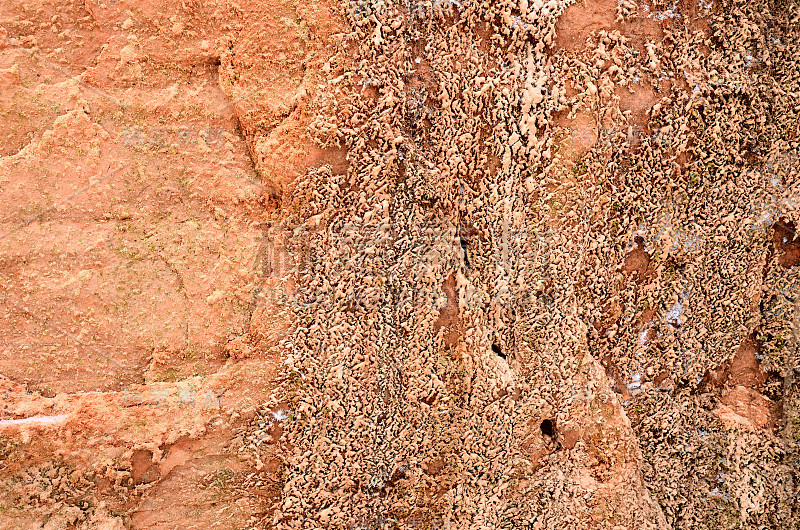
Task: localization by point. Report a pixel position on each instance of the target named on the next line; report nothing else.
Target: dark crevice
(464, 245)
(548, 428)
(498, 351)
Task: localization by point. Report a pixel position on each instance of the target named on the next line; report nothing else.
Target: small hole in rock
(498, 351)
(548, 428)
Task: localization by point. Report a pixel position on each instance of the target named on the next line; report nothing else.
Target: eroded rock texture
(547, 291)
(387, 264)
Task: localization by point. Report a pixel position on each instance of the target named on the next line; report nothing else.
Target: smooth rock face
(372, 264)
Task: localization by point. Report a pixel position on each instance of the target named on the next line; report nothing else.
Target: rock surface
(374, 264)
